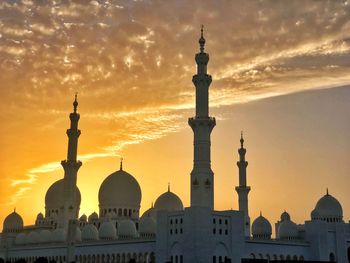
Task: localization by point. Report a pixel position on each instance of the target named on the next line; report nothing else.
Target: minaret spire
(201, 40)
(75, 103)
(243, 189)
(71, 166)
(121, 164)
(202, 177)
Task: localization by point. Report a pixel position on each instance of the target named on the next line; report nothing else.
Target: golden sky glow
(277, 67)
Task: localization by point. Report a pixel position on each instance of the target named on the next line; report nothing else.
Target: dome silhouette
(119, 190)
(261, 228)
(127, 229)
(168, 201)
(328, 209)
(93, 217)
(13, 222)
(89, 233)
(148, 226)
(54, 195)
(107, 230)
(288, 230)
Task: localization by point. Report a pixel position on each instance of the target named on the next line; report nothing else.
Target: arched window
(349, 254)
(288, 257)
(252, 255)
(125, 212)
(120, 211)
(331, 257)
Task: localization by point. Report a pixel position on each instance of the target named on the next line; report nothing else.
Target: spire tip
(201, 40)
(121, 164)
(242, 140)
(75, 103)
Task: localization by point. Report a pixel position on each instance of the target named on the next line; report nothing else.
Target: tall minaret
(71, 167)
(243, 189)
(202, 177)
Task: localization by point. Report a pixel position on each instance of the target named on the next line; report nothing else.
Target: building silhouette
(168, 232)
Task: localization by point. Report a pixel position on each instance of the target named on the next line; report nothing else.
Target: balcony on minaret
(202, 60)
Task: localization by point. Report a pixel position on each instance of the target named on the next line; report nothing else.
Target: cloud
(132, 62)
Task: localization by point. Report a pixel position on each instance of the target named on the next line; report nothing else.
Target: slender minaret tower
(71, 167)
(202, 177)
(243, 189)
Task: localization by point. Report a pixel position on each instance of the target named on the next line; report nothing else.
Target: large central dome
(54, 197)
(119, 192)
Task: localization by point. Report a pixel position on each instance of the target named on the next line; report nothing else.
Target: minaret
(71, 167)
(243, 189)
(202, 177)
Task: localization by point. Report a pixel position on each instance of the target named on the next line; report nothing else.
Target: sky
(281, 73)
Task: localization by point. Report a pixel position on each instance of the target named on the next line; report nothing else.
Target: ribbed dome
(285, 216)
(107, 230)
(33, 238)
(168, 201)
(83, 218)
(89, 233)
(147, 225)
(120, 189)
(150, 212)
(54, 195)
(288, 230)
(78, 235)
(45, 236)
(58, 235)
(13, 223)
(93, 217)
(20, 239)
(328, 209)
(127, 229)
(261, 228)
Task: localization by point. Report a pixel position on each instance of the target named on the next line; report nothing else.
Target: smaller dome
(89, 233)
(148, 226)
(285, 216)
(45, 236)
(328, 209)
(107, 230)
(150, 212)
(168, 201)
(13, 222)
(33, 238)
(288, 230)
(78, 235)
(58, 235)
(40, 216)
(127, 229)
(83, 218)
(20, 239)
(261, 228)
(93, 217)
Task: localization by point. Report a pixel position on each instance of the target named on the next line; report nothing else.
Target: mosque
(168, 232)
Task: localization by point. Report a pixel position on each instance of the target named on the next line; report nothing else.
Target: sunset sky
(281, 73)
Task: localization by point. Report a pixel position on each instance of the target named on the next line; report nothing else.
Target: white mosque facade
(168, 232)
